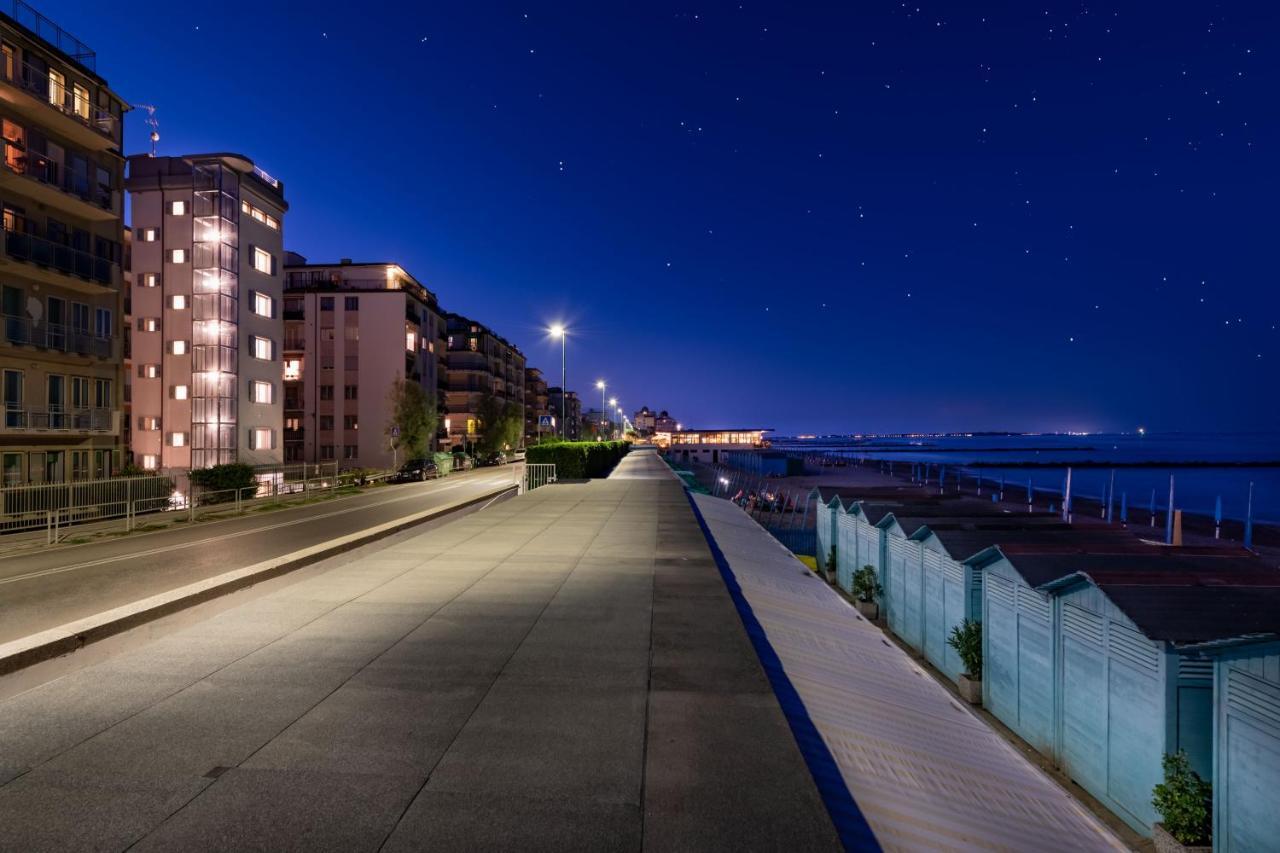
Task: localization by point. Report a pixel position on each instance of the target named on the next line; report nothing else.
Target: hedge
(218, 483)
(578, 460)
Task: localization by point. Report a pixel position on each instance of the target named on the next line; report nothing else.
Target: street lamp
(559, 331)
(600, 384)
(613, 401)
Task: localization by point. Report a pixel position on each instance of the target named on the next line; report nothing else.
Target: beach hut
(1246, 742)
(825, 528)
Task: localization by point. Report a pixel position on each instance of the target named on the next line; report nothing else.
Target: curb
(73, 636)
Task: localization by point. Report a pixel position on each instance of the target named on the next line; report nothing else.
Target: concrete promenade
(565, 670)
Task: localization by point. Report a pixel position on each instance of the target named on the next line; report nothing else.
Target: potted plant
(966, 639)
(865, 589)
(1185, 804)
(829, 567)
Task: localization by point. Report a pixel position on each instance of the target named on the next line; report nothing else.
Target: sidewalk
(564, 670)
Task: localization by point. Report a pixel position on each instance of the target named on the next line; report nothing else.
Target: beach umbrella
(1248, 520)
(1124, 508)
(1217, 518)
(1168, 516)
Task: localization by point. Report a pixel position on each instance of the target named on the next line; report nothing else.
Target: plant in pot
(865, 589)
(966, 639)
(829, 567)
(1185, 804)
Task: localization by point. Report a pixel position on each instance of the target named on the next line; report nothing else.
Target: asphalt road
(41, 590)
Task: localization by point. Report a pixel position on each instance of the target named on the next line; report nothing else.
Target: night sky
(820, 218)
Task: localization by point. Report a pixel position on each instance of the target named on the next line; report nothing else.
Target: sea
(1204, 466)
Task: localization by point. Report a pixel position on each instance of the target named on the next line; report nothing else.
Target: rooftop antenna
(154, 124)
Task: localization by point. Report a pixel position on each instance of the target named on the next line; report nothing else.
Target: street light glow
(613, 401)
(557, 331)
(600, 384)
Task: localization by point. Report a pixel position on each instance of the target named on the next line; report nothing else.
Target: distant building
(60, 353)
(479, 362)
(351, 331)
(663, 422)
(707, 445)
(536, 405)
(643, 421)
(597, 423)
(207, 280)
(571, 428)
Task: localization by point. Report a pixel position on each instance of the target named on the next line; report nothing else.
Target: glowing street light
(559, 331)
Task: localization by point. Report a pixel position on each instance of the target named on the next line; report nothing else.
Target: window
(178, 208)
(326, 451)
(351, 303)
(260, 215)
(326, 303)
(149, 279)
(179, 392)
(410, 341)
(102, 398)
(350, 422)
(148, 371)
(351, 333)
(262, 438)
(79, 392)
(150, 461)
(178, 347)
(12, 399)
(57, 88)
(263, 262)
(293, 369)
(263, 348)
(350, 451)
(148, 324)
(293, 424)
(148, 235)
(79, 465)
(178, 256)
(146, 424)
(102, 323)
(80, 100)
(178, 301)
(177, 439)
(261, 392)
(80, 317)
(263, 305)
(326, 423)
(326, 392)
(351, 392)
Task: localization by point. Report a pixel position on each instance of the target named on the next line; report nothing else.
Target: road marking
(222, 537)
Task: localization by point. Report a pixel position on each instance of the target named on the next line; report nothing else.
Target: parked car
(416, 470)
(497, 457)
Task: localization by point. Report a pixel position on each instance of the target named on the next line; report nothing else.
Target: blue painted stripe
(851, 825)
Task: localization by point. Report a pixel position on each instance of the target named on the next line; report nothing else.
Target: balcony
(55, 35)
(21, 331)
(37, 96)
(60, 419)
(53, 184)
(60, 264)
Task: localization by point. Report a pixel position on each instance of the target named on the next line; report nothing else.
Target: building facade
(536, 406)
(352, 330)
(60, 271)
(479, 362)
(566, 407)
(207, 283)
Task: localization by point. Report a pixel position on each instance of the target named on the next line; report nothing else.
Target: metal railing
(58, 176)
(54, 34)
(58, 256)
(58, 419)
(60, 96)
(53, 506)
(56, 336)
(536, 475)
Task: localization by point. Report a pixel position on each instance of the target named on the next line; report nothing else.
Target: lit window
(272, 222)
(178, 347)
(149, 279)
(178, 301)
(180, 392)
(261, 391)
(410, 341)
(261, 438)
(150, 461)
(262, 305)
(148, 324)
(57, 88)
(80, 101)
(261, 261)
(146, 424)
(148, 371)
(178, 256)
(263, 348)
(178, 208)
(177, 439)
(148, 235)
(293, 369)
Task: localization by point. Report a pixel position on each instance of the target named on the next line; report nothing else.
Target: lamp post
(559, 331)
(600, 384)
(613, 402)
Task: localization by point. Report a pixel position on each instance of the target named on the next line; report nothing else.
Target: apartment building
(536, 405)
(568, 425)
(479, 361)
(207, 257)
(60, 275)
(351, 331)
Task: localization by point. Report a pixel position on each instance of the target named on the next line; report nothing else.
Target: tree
(501, 424)
(413, 413)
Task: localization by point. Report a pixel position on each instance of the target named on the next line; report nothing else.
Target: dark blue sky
(840, 217)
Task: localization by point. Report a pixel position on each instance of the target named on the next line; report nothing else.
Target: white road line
(222, 537)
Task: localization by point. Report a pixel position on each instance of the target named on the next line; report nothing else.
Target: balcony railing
(58, 419)
(58, 256)
(52, 336)
(56, 175)
(60, 96)
(54, 35)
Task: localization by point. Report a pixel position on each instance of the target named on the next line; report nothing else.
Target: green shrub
(830, 564)
(225, 480)
(966, 639)
(1185, 801)
(578, 460)
(865, 584)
